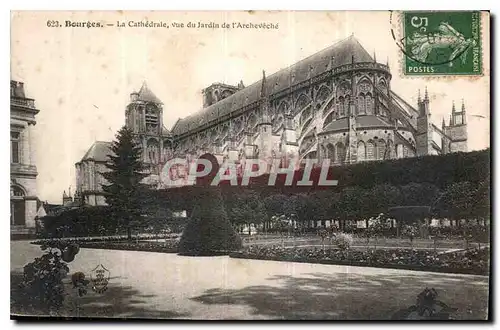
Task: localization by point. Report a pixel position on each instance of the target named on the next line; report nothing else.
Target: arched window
(167, 150)
(390, 149)
(341, 152)
(346, 105)
(369, 104)
(323, 153)
(301, 103)
(322, 94)
(361, 151)
(16, 191)
(370, 150)
(330, 152)
(361, 104)
(283, 108)
(340, 106)
(399, 150)
(381, 149)
(152, 151)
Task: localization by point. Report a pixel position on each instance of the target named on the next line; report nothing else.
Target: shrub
(343, 241)
(42, 279)
(209, 232)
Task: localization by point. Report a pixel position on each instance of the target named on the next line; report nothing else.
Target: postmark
(441, 43)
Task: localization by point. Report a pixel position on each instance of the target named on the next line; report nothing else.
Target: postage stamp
(442, 43)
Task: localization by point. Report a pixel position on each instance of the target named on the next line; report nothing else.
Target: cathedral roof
(99, 151)
(146, 95)
(333, 56)
(165, 131)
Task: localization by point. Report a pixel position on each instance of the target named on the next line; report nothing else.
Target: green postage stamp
(442, 43)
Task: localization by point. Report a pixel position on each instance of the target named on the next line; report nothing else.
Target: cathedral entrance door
(17, 212)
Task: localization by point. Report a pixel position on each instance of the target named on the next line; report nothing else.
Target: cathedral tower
(457, 130)
(423, 137)
(144, 115)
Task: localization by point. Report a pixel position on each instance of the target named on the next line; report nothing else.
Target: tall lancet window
(341, 107)
(370, 150)
(369, 104)
(152, 151)
(361, 104)
(361, 151)
(346, 105)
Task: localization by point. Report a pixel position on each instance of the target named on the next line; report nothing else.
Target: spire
(374, 57)
(69, 191)
(387, 61)
(419, 99)
(453, 106)
(64, 194)
(443, 124)
(352, 59)
(426, 97)
(145, 94)
(464, 117)
(264, 106)
(263, 86)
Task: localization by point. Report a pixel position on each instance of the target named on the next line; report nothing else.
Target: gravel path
(156, 285)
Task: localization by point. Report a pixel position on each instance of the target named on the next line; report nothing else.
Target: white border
(192, 5)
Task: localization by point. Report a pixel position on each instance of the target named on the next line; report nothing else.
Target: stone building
(336, 104)
(144, 115)
(23, 172)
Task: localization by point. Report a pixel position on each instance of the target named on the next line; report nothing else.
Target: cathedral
(336, 104)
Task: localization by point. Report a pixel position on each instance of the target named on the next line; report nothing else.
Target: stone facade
(23, 172)
(336, 104)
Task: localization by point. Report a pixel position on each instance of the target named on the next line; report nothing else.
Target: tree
(457, 201)
(410, 231)
(274, 204)
(246, 208)
(281, 223)
(208, 232)
(418, 194)
(376, 228)
(380, 198)
(126, 171)
(323, 234)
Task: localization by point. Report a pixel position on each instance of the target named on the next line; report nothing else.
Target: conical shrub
(208, 231)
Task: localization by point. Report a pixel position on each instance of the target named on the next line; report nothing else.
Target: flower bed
(169, 246)
(116, 238)
(473, 261)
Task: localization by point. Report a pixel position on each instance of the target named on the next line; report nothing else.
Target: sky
(81, 78)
